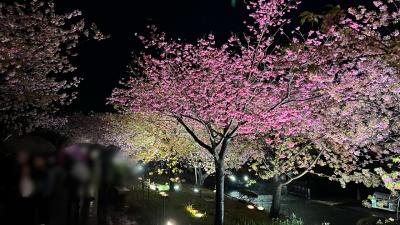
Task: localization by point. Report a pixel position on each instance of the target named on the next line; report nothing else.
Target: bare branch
(194, 136)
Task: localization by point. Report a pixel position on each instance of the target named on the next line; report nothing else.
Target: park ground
(154, 209)
(148, 207)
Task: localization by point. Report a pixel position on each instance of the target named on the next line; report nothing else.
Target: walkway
(318, 212)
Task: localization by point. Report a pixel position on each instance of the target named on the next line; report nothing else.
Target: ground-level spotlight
(194, 212)
(199, 215)
(246, 178)
(232, 178)
(169, 222)
(250, 206)
(196, 190)
(164, 194)
(177, 187)
(260, 208)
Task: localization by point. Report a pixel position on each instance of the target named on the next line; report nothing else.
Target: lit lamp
(196, 190)
(260, 208)
(250, 206)
(199, 215)
(164, 194)
(246, 178)
(177, 187)
(232, 178)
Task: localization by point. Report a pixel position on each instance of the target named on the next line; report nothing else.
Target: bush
(293, 220)
(250, 222)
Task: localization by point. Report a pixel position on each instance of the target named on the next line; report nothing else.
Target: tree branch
(291, 179)
(194, 136)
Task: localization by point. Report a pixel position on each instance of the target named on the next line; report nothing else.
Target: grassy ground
(149, 205)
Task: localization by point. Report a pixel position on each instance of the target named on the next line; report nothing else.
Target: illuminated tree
(283, 159)
(216, 91)
(204, 164)
(359, 126)
(255, 85)
(99, 128)
(355, 124)
(35, 51)
(158, 138)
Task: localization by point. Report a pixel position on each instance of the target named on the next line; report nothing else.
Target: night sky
(102, 64)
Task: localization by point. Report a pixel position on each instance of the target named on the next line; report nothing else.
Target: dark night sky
(103, 64)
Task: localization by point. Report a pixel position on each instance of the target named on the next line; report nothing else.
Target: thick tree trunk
(222, 145)
(276, 198)
(219, 195)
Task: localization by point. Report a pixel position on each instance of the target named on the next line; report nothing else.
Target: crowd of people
(60, 187)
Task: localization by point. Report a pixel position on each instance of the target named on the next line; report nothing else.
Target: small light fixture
(260, 208)
(246, 178)
(250, 206)
(232, 178)
(199, 215)
(177, 187)
(170, 223)
(196, 190)
(164, 194)
(194, 212)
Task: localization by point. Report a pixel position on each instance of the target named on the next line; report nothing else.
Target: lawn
(149, 206)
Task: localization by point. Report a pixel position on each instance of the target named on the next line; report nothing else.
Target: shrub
(293, 220)
(250, 222)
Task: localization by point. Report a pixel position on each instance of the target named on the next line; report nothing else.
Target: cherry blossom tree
(204, 164)
(159, 140)
(258, 83)
(35, 51)
(100, 128)
(359, 126)
(224, 91)
(283, 159)
(356, 124)
(154, 137)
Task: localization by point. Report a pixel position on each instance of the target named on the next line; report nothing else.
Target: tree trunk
(171, 183)
(219, 195)
(276, 198)
(195, 175)
(202, 178)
